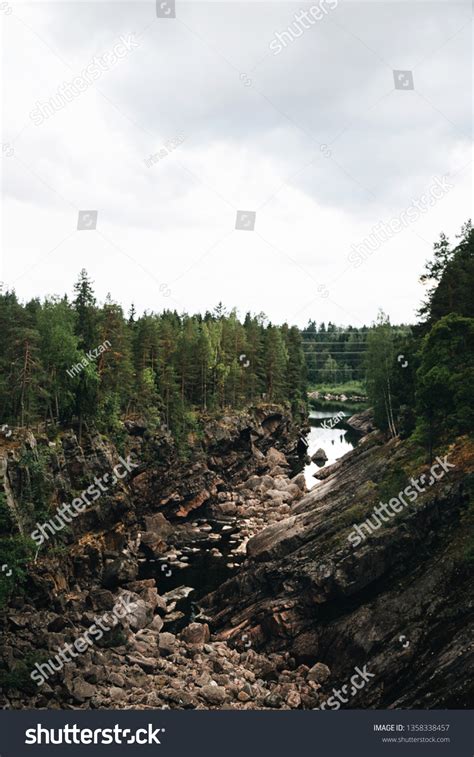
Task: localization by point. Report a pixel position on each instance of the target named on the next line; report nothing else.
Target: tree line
(76, 362)
(420, 384)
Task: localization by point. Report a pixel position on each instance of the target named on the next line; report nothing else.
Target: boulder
(279, 496)
(157, 623)
(120, 571)
(116, 694)
(280, 483)
(319, 456)
(259, 483)
(319, 673)
(293, 699)
(227, 508)
(196, 635)
(362, 422)
(100, 599)
(81, 690)
(141, 614)
(294, 491)
(277, 470)
(214, 694)
(305, 647)
(158, 525)
(243, 696)
(300, 481)
(167, 643)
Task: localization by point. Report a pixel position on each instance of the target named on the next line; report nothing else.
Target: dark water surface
(206, 571)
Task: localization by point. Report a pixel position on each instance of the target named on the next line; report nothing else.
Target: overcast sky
(315, 139)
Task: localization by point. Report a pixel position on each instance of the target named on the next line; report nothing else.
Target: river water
(328, 433)
(205, 571)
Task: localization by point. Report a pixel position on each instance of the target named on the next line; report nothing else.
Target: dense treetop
(78, 361)
(421, 384)
(73, 362)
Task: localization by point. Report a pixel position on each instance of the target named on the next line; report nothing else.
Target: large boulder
(319, 673)
(157, 524)
(81, 690)
(319, 456)
(196, 635)
(279, 495)
(362, 422)
(193, 504)
(300, 481)
(167, 643)
(120, 571)
(140, 614)
(280, 483)
(214, 694)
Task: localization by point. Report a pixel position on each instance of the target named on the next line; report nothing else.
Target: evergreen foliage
(164, 366)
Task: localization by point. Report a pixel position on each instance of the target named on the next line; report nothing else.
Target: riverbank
(163, 538)
(398, 603)
(246, 591)
(350, 393)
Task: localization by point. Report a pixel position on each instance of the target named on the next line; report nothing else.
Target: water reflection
(334, 441)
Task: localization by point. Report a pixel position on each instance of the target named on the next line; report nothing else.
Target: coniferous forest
(74, 361)
(72, 367)
(68, 361)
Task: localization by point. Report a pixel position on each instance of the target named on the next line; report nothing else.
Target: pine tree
(276, 361)
(85, 306)
(58, 346)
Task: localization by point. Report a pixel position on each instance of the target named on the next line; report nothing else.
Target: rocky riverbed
(163, 538)
(245, 591)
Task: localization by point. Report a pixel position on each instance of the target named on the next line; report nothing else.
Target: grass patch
(394, 482)
(19, 678)
(354, 514)
(347, 387)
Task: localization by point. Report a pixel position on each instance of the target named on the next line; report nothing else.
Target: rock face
(362, 422)
(306, 588)
(240, 475)
(303, 607)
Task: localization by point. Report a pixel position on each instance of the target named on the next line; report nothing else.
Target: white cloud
(249, 148)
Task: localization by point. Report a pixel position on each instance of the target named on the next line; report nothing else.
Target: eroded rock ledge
(160, 515)
(305, 589)
(302, 607)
